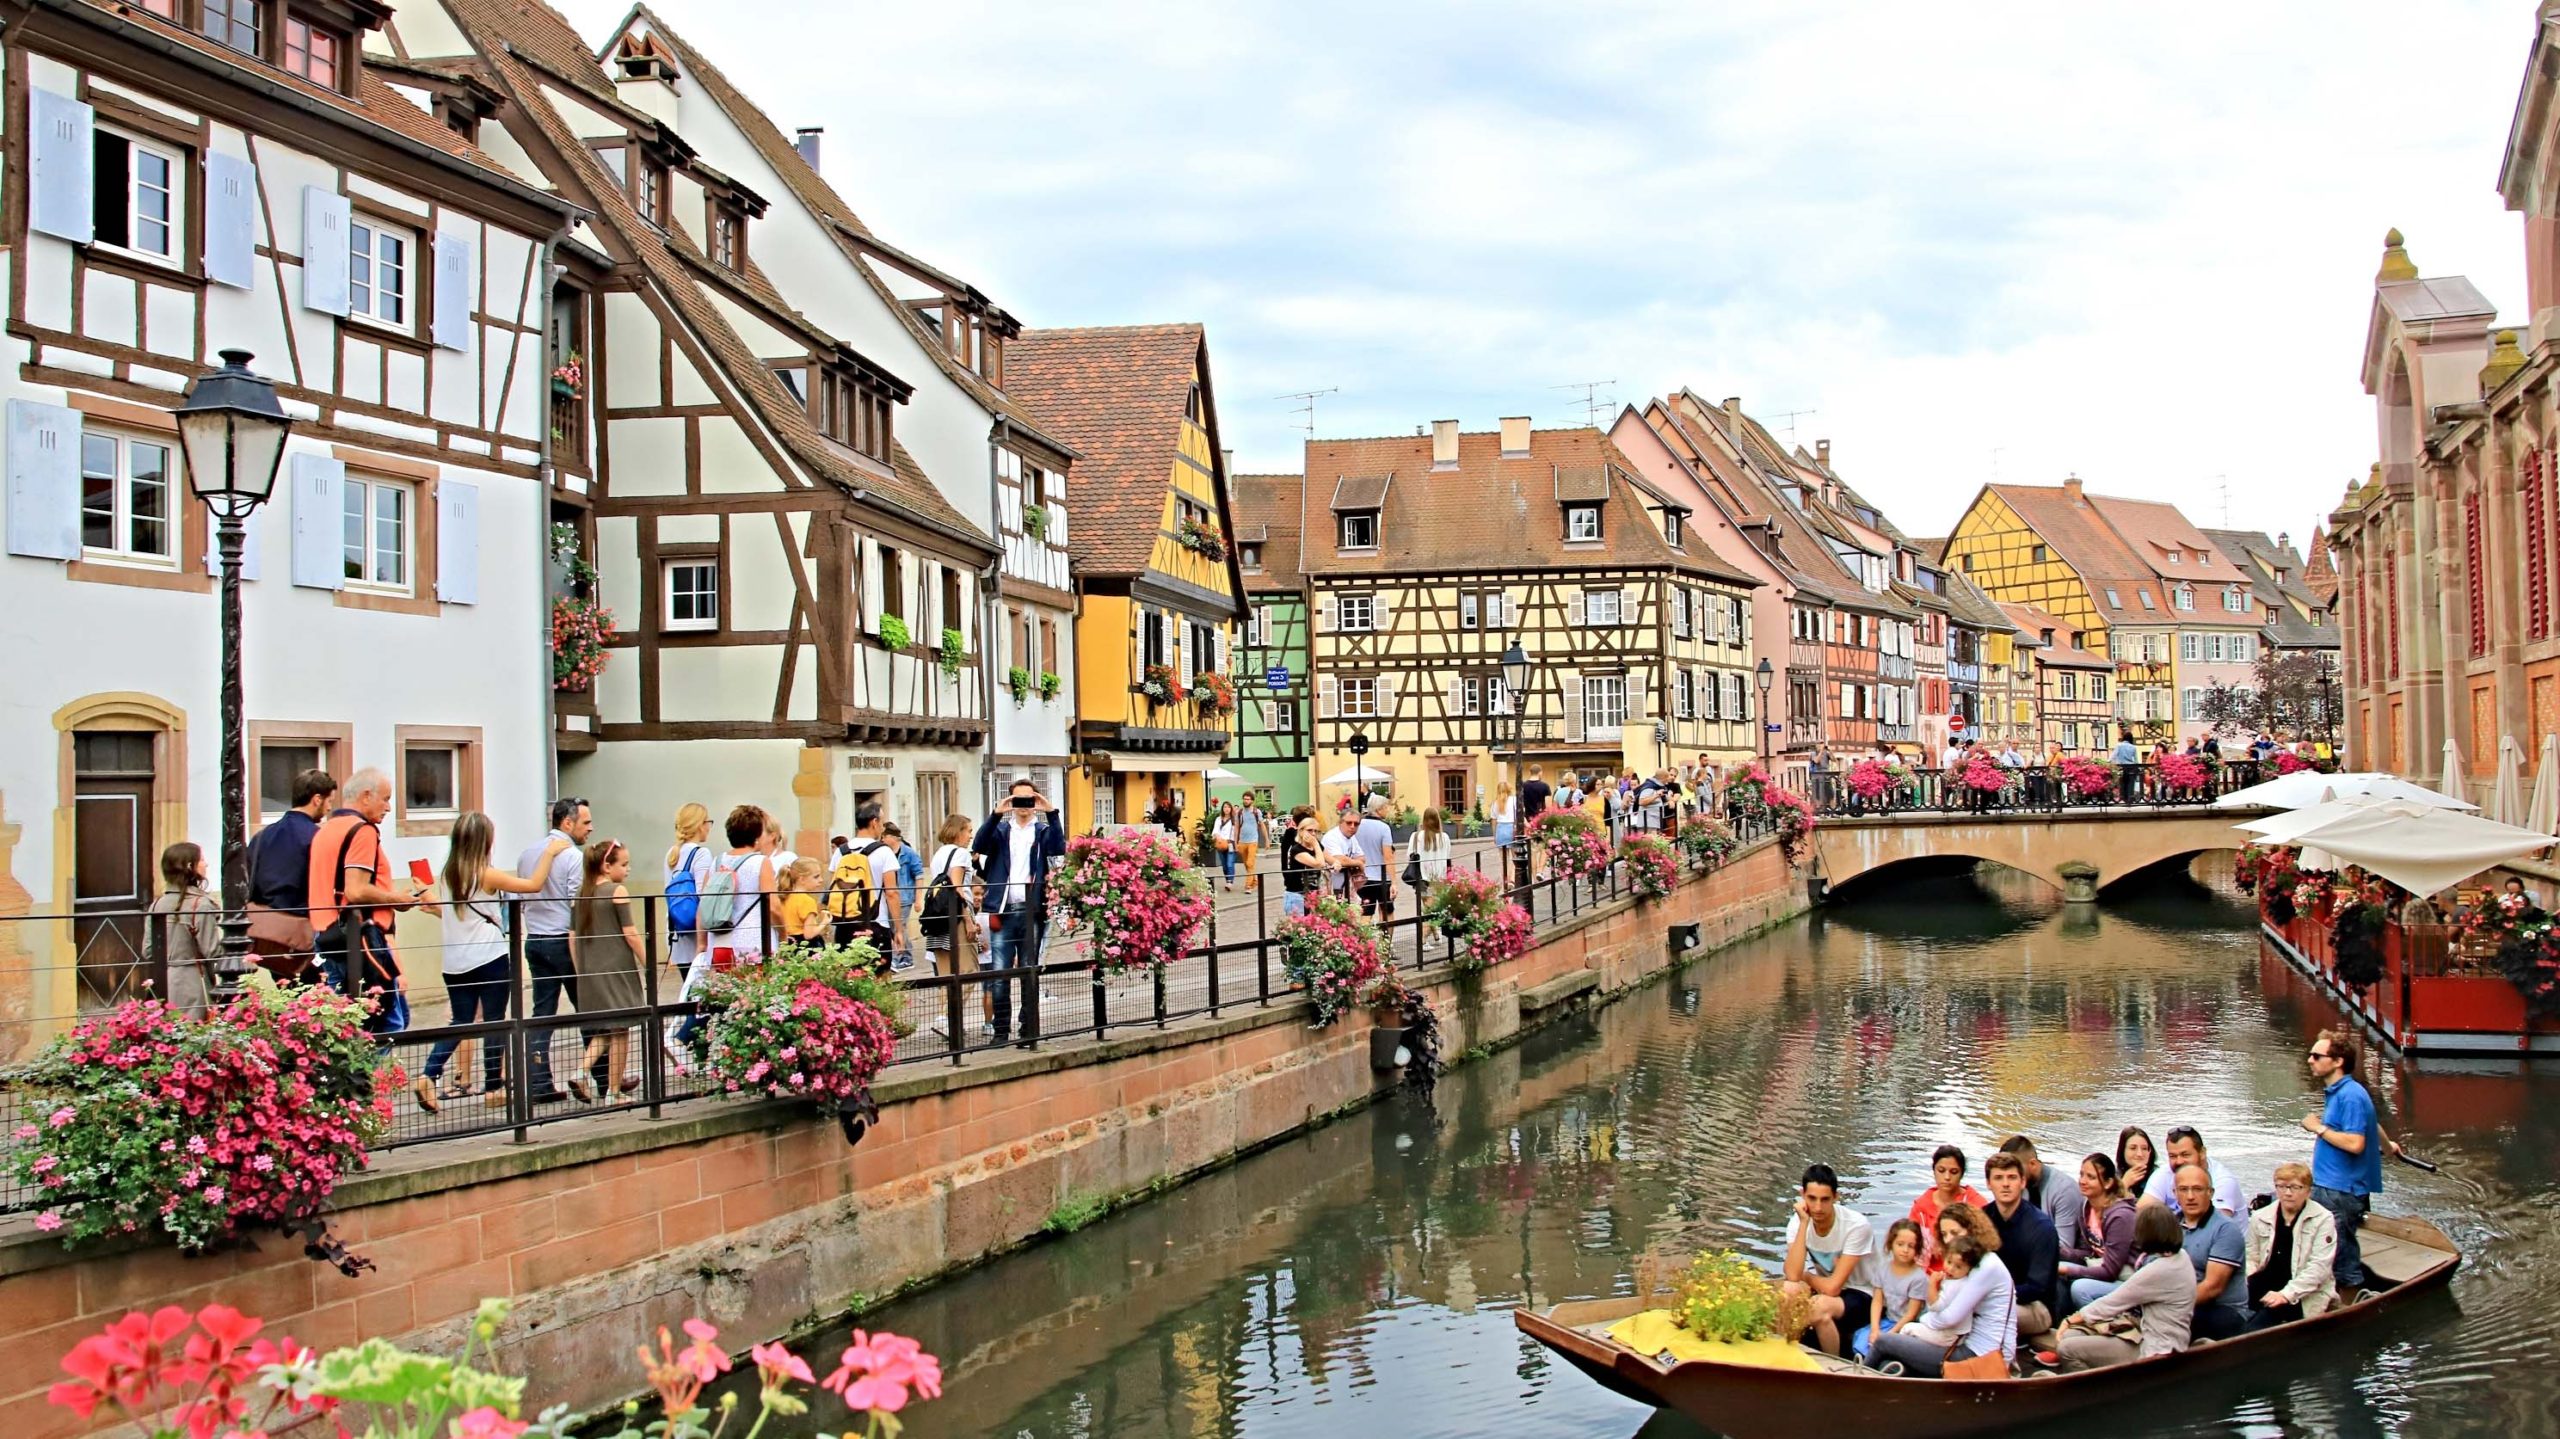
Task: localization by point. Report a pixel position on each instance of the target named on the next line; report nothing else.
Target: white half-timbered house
(187, 177)
(796, 601)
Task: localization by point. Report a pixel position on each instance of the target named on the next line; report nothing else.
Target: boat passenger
(2187, 1147)
(2346, 1153)
(1903, 1290)
(2104, 1253)
(2028, 1245)
(1830, 1259)
(2136, 1157)
(2218, 1248)
(1947, 1168)
(1977, 1304)
(2159, 1294)
(2293, 1247)
(2055, 1192)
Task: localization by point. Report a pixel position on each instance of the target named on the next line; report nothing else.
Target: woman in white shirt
(474, 960)
(1430, 855)
(1506, 816)
(1223, 838)
(690, 854)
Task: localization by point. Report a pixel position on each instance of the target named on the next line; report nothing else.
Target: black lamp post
(1765, 673)
(1515, 688)
(231, 432)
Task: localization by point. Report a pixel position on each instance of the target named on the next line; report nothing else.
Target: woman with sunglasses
(605, 948)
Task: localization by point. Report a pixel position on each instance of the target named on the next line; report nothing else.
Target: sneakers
(901, 963)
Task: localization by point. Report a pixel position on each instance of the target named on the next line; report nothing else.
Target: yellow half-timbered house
(1156, 580)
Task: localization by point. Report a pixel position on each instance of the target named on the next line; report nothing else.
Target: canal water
(1359, 1281)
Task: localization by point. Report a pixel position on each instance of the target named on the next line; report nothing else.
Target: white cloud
(2117, 239)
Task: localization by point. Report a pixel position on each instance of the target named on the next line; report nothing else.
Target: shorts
(1857, 1307)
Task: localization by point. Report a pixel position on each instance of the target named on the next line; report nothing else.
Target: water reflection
(1358, 1280)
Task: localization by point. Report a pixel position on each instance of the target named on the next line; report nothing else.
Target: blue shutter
(230, 220)
(325, 217)
(43, 467)
(457, 542)
(62, 165)
(319, 522)
(457, 290)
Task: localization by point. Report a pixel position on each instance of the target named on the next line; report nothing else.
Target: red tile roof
(2062, 651)
(1118, 394)
(1267, 513)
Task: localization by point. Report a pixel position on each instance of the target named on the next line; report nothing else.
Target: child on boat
(1905, 1292)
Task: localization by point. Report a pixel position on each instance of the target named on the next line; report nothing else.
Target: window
(2042, 554)
(1581, 522)
(1601, 607)
(438, 774)
(2233, 601)
(311, 52)
(1497, 696)
(2186, 597)
(728, 237)
(2191, 648)
(278, 763)
(1604, 705)
(376, 533)
(1203, 647)
(950, 618)
(2244, 649)
(1684, 695)
(2112, 602)
(1671, 528)
(429, 780)
(2098, 687)
(1679, 613)
(1471, 695)
(127, 506)
(2145, 597)
(138, 197)
(378, 273)
(693, 595)
(1359, 696)
(1249, 558)
(236, 23)
(649, 191)
(2066, 687)
(1467, 610)
(1357, 611)
(1359, 530)
(1284, 717)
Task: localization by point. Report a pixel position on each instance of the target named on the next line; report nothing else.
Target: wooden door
(112, 866)
(1453, 792)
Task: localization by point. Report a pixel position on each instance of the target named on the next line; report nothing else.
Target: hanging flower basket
(2085, 778)
(1704, 842)
(580, 630)
(2355, 945)
(1160, 685)
(1576, 846)
(1050, 684)
(1018, 680)
(1506, 938)
(569, 377)
(1462, 906)
(811, 1022)
(1331, 953)
(952, 653)
(1651, 866)
(2530, 959)
(894, 632)
(1213, 694)
(1135, 894)
(1035, 522)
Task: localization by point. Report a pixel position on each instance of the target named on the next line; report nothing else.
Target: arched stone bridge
(2077, 851)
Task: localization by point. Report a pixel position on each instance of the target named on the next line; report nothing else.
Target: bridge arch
(2076, 851)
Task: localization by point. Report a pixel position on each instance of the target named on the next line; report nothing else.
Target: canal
(1360, 1280)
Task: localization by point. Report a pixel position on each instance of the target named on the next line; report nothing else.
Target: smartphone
(422, 872)
(1026, 801)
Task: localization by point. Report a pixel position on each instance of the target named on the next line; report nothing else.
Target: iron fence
(2035, 788)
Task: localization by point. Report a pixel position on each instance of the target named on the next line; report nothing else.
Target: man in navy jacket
(1016, 848)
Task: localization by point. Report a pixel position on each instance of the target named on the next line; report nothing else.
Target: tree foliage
(2292, 692)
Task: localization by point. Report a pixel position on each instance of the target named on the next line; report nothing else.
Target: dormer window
(1581, 523)
(1671, 528)
(649, 186)
(313, 52)
(1359, 530)
(2185, 596)
(236, 23)
(851, 414)
(1249, 557)
(728, 237)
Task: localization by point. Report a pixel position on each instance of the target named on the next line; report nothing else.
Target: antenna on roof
(1307, 405)
(2222, 485)
(1592, 403)
(1790, 416)
(1996, 452)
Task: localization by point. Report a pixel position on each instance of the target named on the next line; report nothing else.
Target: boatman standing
(2346, 1160)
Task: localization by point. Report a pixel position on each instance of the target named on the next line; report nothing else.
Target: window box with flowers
(1201, 538)
(1160, 685)
(569, 378)
(1018, 680)
(893, 632)
(1050, 685)
(951, 654)
(1214, 695)
(581, 626)
(1035, 521)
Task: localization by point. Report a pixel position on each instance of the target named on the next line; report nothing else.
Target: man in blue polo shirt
(2346, 1162)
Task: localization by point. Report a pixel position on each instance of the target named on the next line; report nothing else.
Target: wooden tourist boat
(1840, 1397)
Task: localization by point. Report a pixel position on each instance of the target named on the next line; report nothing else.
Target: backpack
(718, 904)
(943, 901)
(684, 903)
(849, 893)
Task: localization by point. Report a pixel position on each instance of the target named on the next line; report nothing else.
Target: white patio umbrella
(2452, 783)
(2542, 816)
(2308, 787)
(1358, 774)
(2422, 850)
(1222, 775)
(2506, 795)
(2291, 825)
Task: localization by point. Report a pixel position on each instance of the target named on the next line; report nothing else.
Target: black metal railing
(2032, 788)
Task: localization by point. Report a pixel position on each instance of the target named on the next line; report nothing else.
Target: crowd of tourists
(2130, 1254)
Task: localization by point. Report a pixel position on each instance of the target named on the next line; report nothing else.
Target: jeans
(2218, 1321)
(2085, 1292)
(546, 958)
(2127, 777)
(478, 996)
(1227, 863)
(1917, 1356)
(2349, 1211)
(1017, 946)
(1292, 904)
(1502, 832)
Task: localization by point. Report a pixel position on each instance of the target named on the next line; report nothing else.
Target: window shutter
(1642, 699)
(457, 290)
(1710, 683)
(1057, 516)
(1627, 611)
(1574, 610)
(230, 220)
(250, 551)
(1328, 705)
(871, 582)
(62, 167)
(457, 542)
(1572, 708)
(44, 479)
(1456, 698)
(319, 522)
(325, 216)
(1324, 614)
(1386, 695)
(1382, 614)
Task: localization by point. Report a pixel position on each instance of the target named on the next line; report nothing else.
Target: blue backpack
(683, 898)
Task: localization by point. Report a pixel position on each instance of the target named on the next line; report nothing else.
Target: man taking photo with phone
(1016, 848)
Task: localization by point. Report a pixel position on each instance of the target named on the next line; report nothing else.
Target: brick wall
(764, 1220)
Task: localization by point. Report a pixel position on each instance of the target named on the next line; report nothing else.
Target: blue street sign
(1772, 727)
(1277, 677)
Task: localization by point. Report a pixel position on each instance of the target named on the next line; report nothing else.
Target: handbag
(1413, 872)
(277, 931)
(1993, 1365)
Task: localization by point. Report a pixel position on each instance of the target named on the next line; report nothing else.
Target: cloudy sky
(2133, 241)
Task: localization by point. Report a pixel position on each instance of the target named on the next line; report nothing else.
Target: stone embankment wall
(761, 1218)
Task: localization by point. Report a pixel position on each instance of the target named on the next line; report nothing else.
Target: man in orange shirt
(351, 901)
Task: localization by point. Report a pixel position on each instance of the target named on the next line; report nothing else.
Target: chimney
(1515, 436)
(1444, 444)
(2071, 487)
(645, 80)
(807, 143)
(1733, 404)
(1227, 458)
(2284, 539)
(1822, 452)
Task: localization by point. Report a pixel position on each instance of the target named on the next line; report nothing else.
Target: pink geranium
(1135, 894)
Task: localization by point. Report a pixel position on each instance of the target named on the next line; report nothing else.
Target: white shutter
(1705, 694)
(1642, 699)
(1457, 696)
(1264, 719)
(1386, 696)
(1510, 611)
(929, 604)
(1627, 611)
(43, 484)
(457, 290)
(1572, 708)
(1324, 614)
(250, 550)
(230, 220)
(1382, 613)
(319, 522)
(457, 542)
(325, 217)
(62, 167)
(1328, 706)
(1498, 697)
(1574, 610)
(1057, 516)
(871, 580)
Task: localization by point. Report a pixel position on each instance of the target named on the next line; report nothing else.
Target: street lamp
(1515, 688)
(231, 434)
(1765, 673)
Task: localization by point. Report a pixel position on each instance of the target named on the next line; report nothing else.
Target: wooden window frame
(182, 159)
(336, 743)
(424, 551)
(339, 69)
(725, 228)
(174, 501)
(1342, 541)
(416, 266)
(1342, 697)
(1368, 603)
(468, 744)
(262, 12)
(670, 557)
(1583, 511)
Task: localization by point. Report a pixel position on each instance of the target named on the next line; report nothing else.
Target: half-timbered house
(1155, 570)
(795, 600)
(184, 179)
(2072, 703)
(1273, 720)
(1427, 557)
(981, 449)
